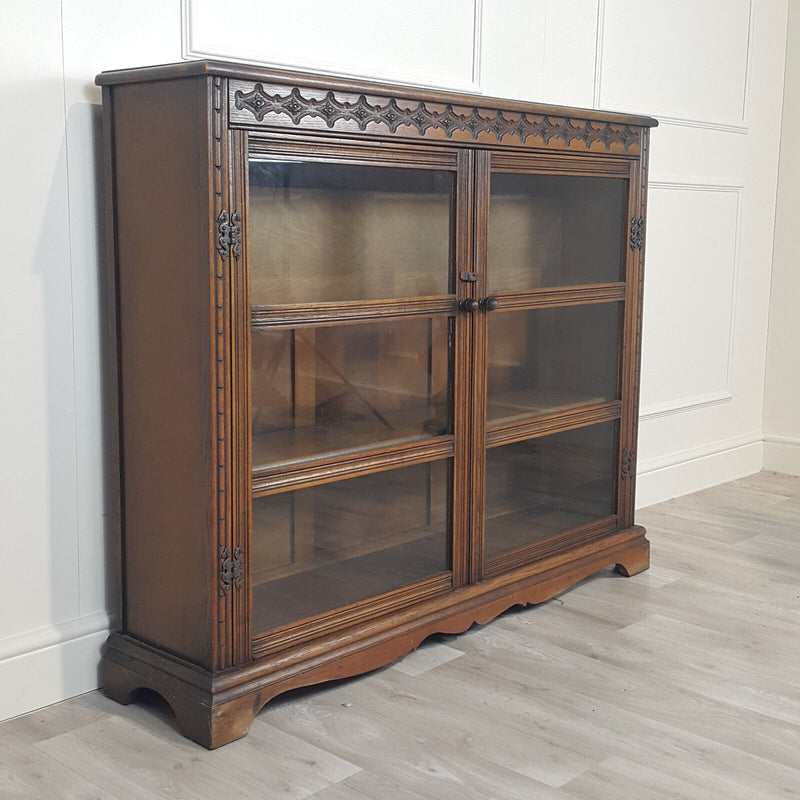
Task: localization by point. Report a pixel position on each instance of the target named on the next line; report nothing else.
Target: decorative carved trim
(229, 229)
(231, 569)
(220, 397)
(394, 114)
(637, 233)
(628, 463)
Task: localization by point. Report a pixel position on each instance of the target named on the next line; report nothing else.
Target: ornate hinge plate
(231, 569)
(229, 238)
(628, 463)
(637, 233)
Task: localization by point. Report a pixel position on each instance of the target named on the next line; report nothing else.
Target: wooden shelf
(516, 528)
(341, 583)
(292, 447)
(508, 407)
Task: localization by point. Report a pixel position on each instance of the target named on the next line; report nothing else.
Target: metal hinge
(229, 230)
(627, 463)
(231, 569)
(637, 233)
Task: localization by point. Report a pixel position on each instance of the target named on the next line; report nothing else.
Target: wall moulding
(734, 119)
(56, 634)
(655, 410)
(782, 453)
(696, 453)
(724, 127)
(464, 77)
(690, 470)
(722, 392)
(51, 664)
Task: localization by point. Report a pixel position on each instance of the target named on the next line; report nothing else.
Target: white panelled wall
(711, 70)
(782, 390)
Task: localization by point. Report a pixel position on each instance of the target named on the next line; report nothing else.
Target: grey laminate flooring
(681, 682)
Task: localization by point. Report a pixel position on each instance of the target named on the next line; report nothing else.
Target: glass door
(353, 313)
(554, 310)
(436, 371)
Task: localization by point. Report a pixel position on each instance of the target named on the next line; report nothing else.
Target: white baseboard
(689, 471)
(51, 664)
(782, 453)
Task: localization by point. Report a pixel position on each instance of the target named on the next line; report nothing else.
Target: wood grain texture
(211, 240)
(632, 335)
(164, 282)
(256, 73)
(680, 682)
(387, 114)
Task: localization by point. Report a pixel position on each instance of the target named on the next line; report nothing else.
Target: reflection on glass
(555, 230)
(550, 360)
(542, 487)
(325, 547)
(326, 232)
(327, 389)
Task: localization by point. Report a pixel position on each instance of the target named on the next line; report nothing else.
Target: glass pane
(549, 360)
(541, 487)
(555, 230)
(326, 232)
(329, 389)
(322, 548)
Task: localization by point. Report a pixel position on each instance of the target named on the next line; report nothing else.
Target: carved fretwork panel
(627, 463)
(637, 233)
(231, 569)
(260, 104)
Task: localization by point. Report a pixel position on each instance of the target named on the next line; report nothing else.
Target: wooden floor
(681, 682)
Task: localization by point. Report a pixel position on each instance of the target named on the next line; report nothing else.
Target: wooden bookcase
(377, 359)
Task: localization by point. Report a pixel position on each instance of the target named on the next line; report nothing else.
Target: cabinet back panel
(316, 391)
(543, 487)
(549, 360)
(325, 547)
(326, 232)
(551, 230)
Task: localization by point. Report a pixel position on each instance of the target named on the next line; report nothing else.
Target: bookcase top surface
(188, 69)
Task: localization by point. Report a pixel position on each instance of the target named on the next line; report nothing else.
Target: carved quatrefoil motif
(231, 569)
(364, 113)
